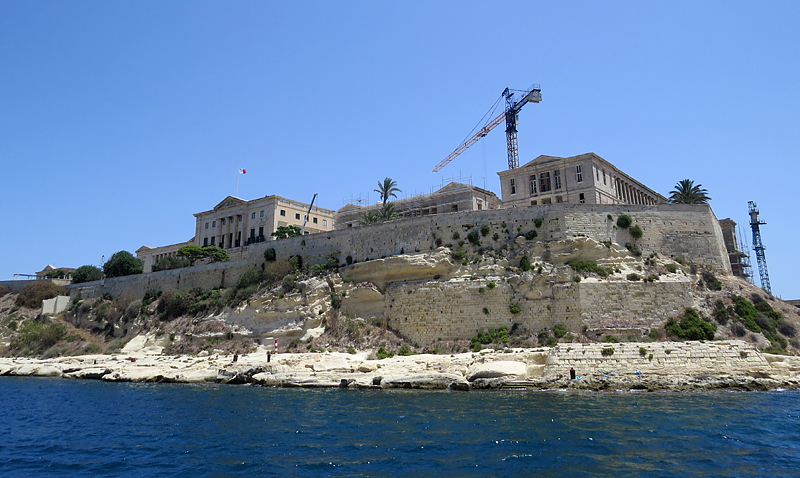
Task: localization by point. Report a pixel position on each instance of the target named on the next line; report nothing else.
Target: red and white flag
(242, 171)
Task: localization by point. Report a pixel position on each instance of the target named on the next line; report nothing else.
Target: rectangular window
(261, 231)
(283, 212)
(222, 241)
(604, 177)
(230, 240)
(212, 239)
(252, 233)
(532, 182)
(315, 220)
(557, 179)
(324, 222)
(262, 213)
(581, 198)
(579, 173)
(213, 223)
(253, 216)
(544, 182)
(205, 241)
(513, 184)
(206, 225)
(297, 216)
(222, 221)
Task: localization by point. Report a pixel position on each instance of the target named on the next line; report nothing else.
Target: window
(222, 241)
(252, 233)
(262, 213)
(261, 231)
(206, 225)
(604, 177)
(205, 240)
(324, 222)
(581, 198)
(544, 182)
(559, 199)
(253, 216)
(297, 215)
(239, 218)
(533, 203)
(480, 205)
(315, 220)
(283, 212)
(222, 221)
(598, 173)
(557, 179)
(212, 239)
(455, 207)
(532, 182)
(213, 224)
(513, 184)
(579, 173)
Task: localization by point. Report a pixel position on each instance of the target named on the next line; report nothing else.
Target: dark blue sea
(57, 427)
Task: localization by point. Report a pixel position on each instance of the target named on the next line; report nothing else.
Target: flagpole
(237, 184)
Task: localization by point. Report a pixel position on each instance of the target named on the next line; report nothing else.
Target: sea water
(58, 427)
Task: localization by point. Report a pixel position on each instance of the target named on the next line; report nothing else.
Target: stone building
(235, 223)
(453, 197)
(740, 264)
(586, 178)
(53, 272)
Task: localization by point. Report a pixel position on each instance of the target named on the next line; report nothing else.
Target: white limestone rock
(503, 368)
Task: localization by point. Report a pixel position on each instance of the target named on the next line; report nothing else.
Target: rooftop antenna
(758, 247)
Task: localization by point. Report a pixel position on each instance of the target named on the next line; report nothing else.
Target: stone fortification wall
(689, 231)
(205, 277)
(671, 230)
(15, 285)
(457, 308)
(667, 358)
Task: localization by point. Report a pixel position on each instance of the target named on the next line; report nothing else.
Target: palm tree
(687, 193)
(387, 189)
(385, 213)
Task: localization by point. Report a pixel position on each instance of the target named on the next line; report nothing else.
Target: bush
(349, 260)
(458, 255)
(634, 250)
(474, 238)
(252, 276)
(624, 221)
(671, 268)
(175, 303)
(538, 222)
(745, 309)
(37, 336)
(642, 351)
(270, 256)
(636, 232)
(651, 278)
(491, 336)
(559, 331)
(607, 351)
(92, 349)
(721, 313)
(122, 263)
(514, 308)
(525, 264)
(86, 274)
(633, 277)
(583, 267)
(491, 285)
(382, 353)
(336, 300)
(405, 350)
(456, 236)
(33, 294)
(438, 242)
(711, 282)
(545, 339)
(171, 262)
(691, 327)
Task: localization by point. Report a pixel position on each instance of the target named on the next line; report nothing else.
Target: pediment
(229, 202)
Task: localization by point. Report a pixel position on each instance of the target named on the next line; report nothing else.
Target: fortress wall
(688, 357)
(453, 309)
(691, 231)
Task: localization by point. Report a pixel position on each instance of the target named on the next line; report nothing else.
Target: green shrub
(491, 285)
(559, 331)
(514, 308)
(607, 351)
(36, 336)
(491, 336)
(122, 263)
(405, 350)
(582, 266)
(170, 262)
(175, 303)
(86, 274)
(485, 230)
(691, 327)
(438, 242)
(642, 351)
(92, 349)
(270, 255)
(458, 255)
(530, 235)
(545, 339)
(745, 309)
(486, 310)
(711, 282)
(351, 350)
(382, 353)
(633, 277)
(538, 222)
(495, 236)
(636, 232)
(651, 278)
(456, 236)
(32, 295)
(474, 238)
(609, 339)
(721, 313)
(634, 250)
(336, 300)
(671, 268)
(252, 276)
(623, 221)
(525, 264)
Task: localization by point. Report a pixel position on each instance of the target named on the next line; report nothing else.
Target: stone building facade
(235, 222)
(151, 255)
(582, 179)
(454, 197)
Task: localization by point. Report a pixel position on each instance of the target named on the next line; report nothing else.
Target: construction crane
(759, 247)
(514, 103)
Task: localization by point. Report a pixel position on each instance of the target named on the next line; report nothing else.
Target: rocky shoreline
(520, 369)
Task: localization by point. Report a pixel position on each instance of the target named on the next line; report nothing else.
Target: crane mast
(511, 115)
(763, 274)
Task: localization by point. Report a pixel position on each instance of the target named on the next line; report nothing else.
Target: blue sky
(119, 120)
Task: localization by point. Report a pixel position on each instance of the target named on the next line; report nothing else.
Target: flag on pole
(242, 171)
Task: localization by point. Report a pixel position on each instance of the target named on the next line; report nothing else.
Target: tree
(387, 189)
(385, 213)
(171, 262)
(122, 263)
(216, 254)
(193, 253)
(86, 274)
(686, 192)
(286, 231)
